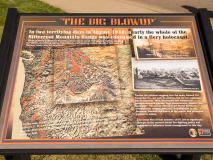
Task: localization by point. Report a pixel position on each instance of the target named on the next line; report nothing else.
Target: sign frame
(6, 50)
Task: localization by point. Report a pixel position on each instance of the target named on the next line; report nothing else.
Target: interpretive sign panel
(107, 81)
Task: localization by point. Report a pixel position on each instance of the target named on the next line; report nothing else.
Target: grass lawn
(36, 6)
(24, 6)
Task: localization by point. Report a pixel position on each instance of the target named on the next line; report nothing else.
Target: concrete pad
(128, 6)
(103, 6)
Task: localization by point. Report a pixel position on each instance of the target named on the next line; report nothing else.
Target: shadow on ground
(194, 10)
(168, 157)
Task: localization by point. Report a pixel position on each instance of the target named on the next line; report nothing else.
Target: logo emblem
(192, 132)
(204, 132)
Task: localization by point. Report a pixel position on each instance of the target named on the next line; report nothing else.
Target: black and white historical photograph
(174, 75)
(164, 44)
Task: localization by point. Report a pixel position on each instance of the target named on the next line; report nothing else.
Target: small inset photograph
(168, 75)
(164, 43)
